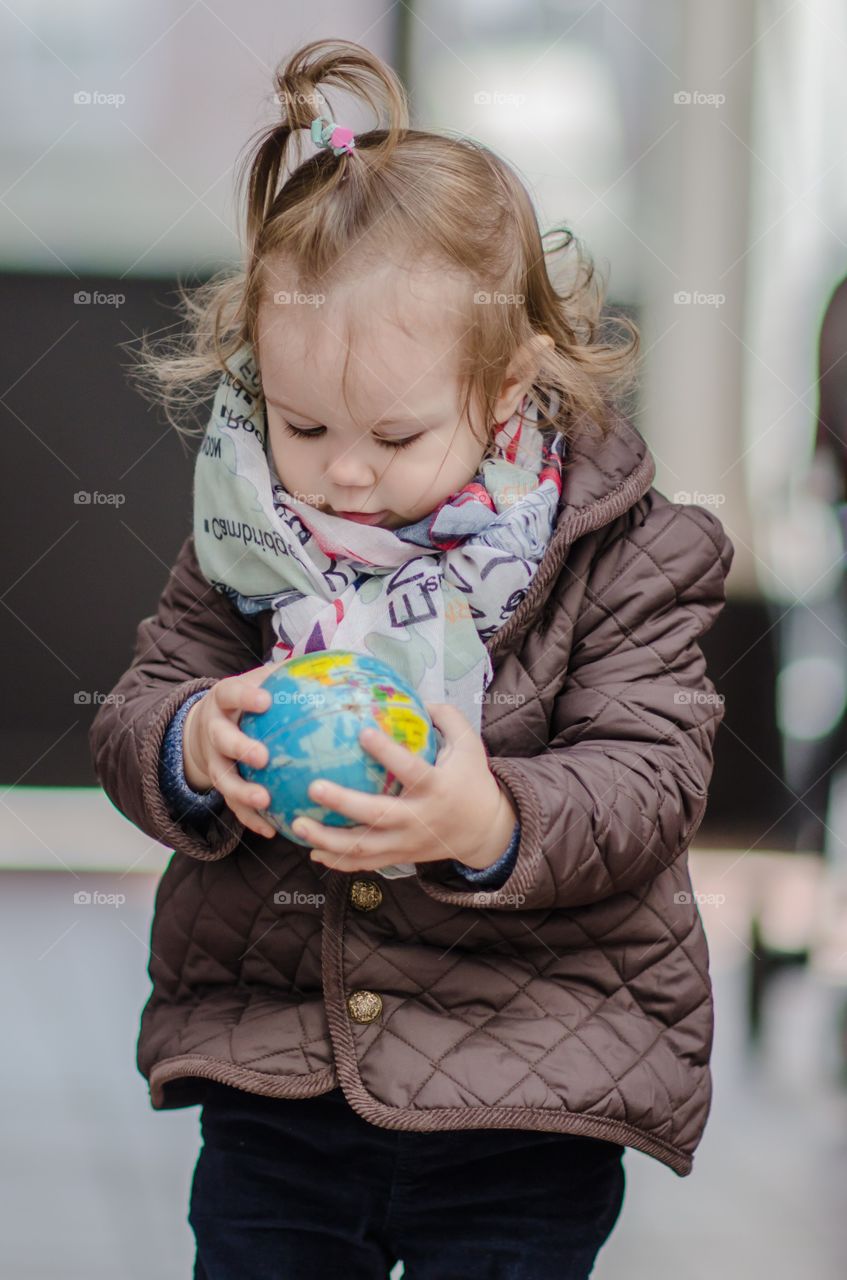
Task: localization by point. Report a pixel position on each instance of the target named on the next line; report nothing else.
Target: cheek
(438, 470)
(461, 454)
(284, 462)
(292, 465)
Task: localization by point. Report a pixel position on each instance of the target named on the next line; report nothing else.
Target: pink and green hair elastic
(326, 133)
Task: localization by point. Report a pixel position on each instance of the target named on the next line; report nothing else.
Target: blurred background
(697, 150)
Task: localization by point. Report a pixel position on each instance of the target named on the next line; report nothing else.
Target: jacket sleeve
(622, 786)
(195, 638)
(495, 875)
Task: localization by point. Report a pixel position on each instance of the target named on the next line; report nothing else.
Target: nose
(350, 472)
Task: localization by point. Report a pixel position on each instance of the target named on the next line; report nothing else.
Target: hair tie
(326, 133)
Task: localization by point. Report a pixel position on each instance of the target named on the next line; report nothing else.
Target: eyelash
(386, 444)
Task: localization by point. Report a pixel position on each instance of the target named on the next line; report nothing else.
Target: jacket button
(364, 1006)
(366, 895)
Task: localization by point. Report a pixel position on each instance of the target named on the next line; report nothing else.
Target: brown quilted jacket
(576, 997)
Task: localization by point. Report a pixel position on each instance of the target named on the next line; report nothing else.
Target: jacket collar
(601, 480)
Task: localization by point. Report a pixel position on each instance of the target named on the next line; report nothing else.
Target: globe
(320, 703)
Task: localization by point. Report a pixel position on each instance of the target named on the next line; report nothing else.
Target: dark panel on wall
(749, 803)
(77, 576)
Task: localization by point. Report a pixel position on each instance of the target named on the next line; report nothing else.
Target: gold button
(364, 1006)
(366, 895)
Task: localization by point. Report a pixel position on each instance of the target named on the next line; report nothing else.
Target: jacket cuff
(220, 832)
(511, 890)
(184, 803)
(499, 871)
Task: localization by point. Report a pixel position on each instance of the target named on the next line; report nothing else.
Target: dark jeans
(306, 1189)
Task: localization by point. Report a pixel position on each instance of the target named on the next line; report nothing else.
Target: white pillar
(697, 180)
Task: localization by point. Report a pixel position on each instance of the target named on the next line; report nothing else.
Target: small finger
(334, 842)
(251, 819)
(250, 795)
(235, 789)
(361, 806)
(250, 750)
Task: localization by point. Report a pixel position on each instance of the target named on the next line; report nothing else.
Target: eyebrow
(383, 422)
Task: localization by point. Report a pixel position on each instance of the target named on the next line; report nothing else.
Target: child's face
(402, 387)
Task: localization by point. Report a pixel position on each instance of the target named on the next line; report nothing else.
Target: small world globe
(320, 703)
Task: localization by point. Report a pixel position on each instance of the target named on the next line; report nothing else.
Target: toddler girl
(430, 1034)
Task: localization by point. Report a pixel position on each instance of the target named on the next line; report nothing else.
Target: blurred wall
(129, 119)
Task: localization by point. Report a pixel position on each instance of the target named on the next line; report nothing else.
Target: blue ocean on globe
(320, 704)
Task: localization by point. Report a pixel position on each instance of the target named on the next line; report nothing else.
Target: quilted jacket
(575, 997)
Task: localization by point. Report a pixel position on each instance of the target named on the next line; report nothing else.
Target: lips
(362, 517)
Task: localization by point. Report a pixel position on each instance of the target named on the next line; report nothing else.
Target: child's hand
(452, 809)
(212, 742)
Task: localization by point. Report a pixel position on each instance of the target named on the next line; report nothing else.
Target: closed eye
(318, 431)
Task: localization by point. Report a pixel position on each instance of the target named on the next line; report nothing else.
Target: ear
(522, 372)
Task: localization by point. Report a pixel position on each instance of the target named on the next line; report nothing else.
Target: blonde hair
(448, 200)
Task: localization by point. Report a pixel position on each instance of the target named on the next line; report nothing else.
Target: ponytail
(299, 93)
